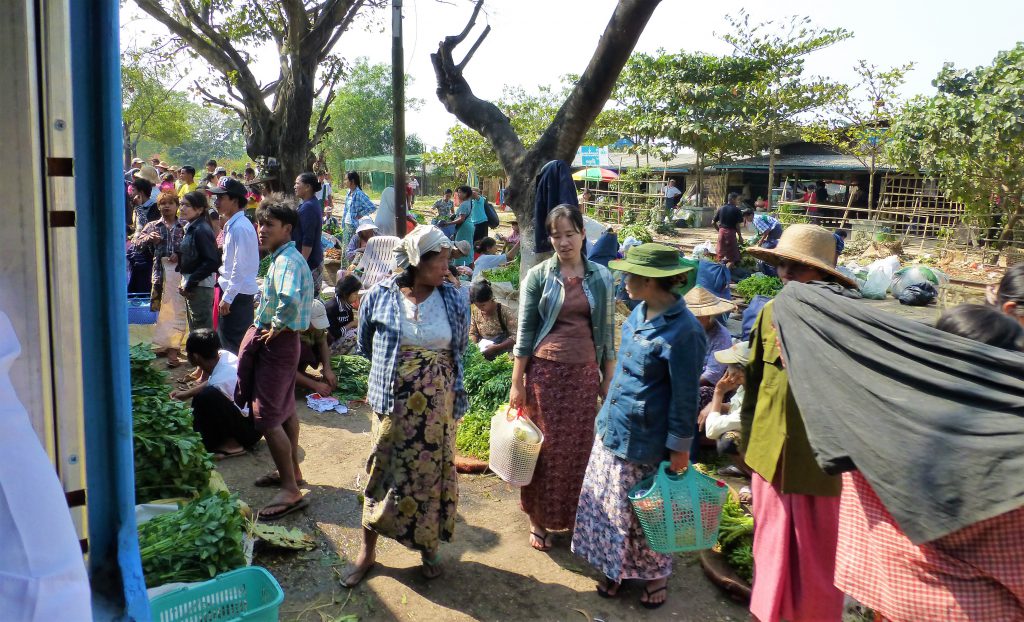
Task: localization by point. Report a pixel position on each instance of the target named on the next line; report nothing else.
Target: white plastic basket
(513, 459)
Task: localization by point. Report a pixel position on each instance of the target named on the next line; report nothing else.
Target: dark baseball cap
(229, 186)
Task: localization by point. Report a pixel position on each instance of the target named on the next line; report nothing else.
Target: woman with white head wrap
(414, 327)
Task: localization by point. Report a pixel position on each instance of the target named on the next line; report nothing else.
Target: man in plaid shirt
(270, 350)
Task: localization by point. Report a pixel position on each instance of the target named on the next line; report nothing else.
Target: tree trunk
(700, 179)
(871, 187)
(127, 148)
(771, 173)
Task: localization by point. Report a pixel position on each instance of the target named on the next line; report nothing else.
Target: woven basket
(512, 458)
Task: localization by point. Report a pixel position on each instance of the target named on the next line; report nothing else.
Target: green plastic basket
(679, 513)
(251, 594)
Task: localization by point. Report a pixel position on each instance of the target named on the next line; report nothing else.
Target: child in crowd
(227, 432)
(341, 315)
(314, 352)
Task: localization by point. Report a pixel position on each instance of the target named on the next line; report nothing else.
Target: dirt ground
(490, 571)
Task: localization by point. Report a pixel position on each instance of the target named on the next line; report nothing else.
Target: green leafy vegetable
(736, 538)
(264, 266)
(196, 543)
(509, 273)
(488, 384)
(170, 459)
(473, 437)
(638, 231)
(758, 284)
(353, 374)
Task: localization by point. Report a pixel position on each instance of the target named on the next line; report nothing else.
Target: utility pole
(398, 95)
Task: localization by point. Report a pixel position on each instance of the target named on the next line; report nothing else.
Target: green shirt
(774, 437)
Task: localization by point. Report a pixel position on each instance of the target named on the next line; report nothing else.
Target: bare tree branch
(473, 49)
(213, 99)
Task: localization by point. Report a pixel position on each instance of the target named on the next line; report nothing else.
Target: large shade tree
(969, 135)
(276, 115)
(151, 109)
(565, 133)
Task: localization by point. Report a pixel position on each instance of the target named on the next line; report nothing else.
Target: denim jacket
(540, 300)
(651, 405)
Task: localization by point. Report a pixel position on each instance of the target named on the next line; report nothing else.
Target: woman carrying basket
(414, 327)
(648, 416)
(565, 354)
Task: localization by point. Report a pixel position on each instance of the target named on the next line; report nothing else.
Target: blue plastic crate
(138, 310)
(251, 594)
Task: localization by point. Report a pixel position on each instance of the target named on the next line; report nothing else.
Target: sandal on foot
(273, 479)
(288, 508)
(355, 576)
(224, 455)
(543, 547)
(647, 604)
(431, 568)
(746, 496)
(605, 590)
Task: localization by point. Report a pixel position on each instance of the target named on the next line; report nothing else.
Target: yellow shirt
(186, 188)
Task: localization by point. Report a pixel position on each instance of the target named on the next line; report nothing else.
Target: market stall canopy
(595, 174)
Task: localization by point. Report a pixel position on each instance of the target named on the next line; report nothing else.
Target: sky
(535, 42)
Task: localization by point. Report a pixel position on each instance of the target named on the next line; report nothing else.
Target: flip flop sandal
(647, 604)
(224, 455)
(272, 479)
(288, 509)
(544, 547)
(604, 590)
(431, 568)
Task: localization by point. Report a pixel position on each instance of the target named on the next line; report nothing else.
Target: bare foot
(357, 573)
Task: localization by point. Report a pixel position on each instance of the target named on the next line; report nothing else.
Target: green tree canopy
(969, 136)
(775, 103)
(212, 134)
(361, 116)
(151, 110)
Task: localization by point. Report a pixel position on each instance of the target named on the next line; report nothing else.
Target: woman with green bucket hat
(648, 416)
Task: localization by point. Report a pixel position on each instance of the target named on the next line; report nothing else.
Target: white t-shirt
(324, 192)
(672, 192)
(225, 375)
(415, 184)
(426, 325)
(488, 262)
(718, 423)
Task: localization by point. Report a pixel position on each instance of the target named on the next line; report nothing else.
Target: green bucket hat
(650, 260)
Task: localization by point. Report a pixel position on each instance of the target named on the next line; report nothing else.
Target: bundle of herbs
(170, 459)
(195, 543)
(638, 231)
(488, 384)
(736, 538)
(353, 374)
(759, 284)
(509, 273)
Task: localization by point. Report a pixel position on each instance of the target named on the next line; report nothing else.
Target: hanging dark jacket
(554, 187)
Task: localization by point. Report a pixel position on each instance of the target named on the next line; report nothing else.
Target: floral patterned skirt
(562, 401)
(412, 490)
(608, 534)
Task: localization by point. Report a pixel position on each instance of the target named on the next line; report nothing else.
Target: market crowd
(882, 454)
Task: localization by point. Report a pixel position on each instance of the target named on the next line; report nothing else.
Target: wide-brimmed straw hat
(650, 260)
(703, 303)
(149, 174)
(810, 245)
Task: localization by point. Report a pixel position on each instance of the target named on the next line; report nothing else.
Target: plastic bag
(704, 250)
(917, 295)
(879, 276)
(915, 275)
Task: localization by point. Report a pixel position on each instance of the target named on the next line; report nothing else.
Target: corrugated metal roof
(810, 162)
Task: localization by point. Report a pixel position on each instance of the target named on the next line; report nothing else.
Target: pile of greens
(638, 231)
(509, 273)
(264, 266)
(736, 538)
(353, 374)
(758, 284)
(170, 459)
(196, 543)
(488, 384)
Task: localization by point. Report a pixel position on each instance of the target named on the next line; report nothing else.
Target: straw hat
(650, 260)
(703, 303)
(810, 245)
(149, 174)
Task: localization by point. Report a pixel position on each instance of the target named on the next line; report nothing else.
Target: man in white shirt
(227, 432)
(326, 193)
(240, 263)
(672, 195)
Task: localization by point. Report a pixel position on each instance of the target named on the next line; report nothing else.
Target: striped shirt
(287, 297)
(380, 339)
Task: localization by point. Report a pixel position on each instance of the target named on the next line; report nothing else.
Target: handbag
(514, 446)
(679, 512)
(492, 216)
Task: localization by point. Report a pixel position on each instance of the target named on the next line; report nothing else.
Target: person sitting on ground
(840, 235)
(489, 257)
(357, 244)
(605, 248)
(227, 432)
(1009, 297)
(341, 315)
(492, 326)
(315, 352)
(725, 427)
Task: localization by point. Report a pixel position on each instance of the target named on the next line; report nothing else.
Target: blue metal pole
(115, 567)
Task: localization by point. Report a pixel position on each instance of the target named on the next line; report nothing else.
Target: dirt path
(490, 572)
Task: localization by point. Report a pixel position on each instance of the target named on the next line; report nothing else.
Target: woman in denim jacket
(648, 416)
(564, 358)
